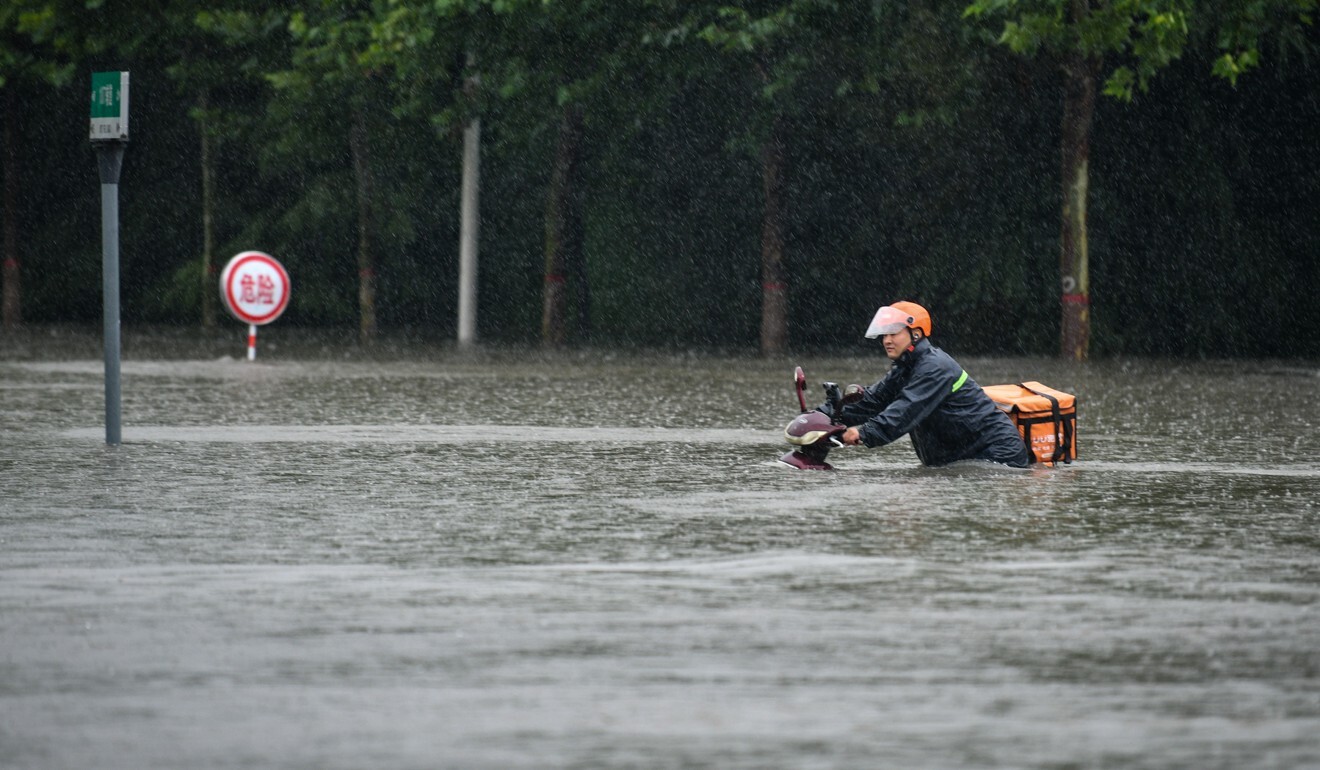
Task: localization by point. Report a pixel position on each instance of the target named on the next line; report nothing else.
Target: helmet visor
(888, 320)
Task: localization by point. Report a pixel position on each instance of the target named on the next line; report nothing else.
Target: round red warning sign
(254, 287)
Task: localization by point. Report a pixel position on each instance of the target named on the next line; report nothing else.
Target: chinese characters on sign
(109, 113)
(254, 287)
(259, 290)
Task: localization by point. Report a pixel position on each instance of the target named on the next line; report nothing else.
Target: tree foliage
(1144, 37)
(920, 163)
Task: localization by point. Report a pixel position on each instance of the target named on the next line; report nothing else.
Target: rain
(485, 474)
(501, 562)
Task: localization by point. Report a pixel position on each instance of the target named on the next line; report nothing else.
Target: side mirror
(833, 395)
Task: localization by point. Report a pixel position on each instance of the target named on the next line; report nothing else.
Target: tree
(1128, 42)
(430, 49)
(572, 57)
(560, 62)
(765, 41)
(331, 67)
(783, 43)
(559, 56)
(36, 50)
(216, 61)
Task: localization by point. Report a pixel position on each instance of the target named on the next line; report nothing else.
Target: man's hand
(852, 437)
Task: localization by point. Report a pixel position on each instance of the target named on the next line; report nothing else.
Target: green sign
(109, 107)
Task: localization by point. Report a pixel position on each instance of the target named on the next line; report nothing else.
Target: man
(929, 397)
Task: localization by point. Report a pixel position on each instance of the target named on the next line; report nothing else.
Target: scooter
(813, 433)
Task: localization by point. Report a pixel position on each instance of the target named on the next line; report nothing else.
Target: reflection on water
(512, 560)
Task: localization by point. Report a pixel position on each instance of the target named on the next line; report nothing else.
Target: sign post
(254, 287)
(109, 134)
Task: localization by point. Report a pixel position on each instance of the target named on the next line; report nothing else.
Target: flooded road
(508, 560)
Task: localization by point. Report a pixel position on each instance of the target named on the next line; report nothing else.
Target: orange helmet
(900, 315)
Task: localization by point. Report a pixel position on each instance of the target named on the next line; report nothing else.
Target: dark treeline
(656, 172)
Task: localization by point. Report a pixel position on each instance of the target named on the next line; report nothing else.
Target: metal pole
(110, 156)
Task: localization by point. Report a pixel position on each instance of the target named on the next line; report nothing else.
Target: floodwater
(423, 559)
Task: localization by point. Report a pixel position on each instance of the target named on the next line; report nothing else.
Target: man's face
(896, 343)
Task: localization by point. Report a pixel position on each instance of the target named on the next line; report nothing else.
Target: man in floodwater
(928, 396)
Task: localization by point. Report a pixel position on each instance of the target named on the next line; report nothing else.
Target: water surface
(507, 560)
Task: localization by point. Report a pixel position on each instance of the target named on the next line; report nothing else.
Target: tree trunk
(564, 233)
(11, 305)
(365, 263)
(1079, 91)
(774, 285)
(209, 286)
(469, 216)
(469, 233)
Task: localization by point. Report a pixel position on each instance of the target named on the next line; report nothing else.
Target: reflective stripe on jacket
(928, 396)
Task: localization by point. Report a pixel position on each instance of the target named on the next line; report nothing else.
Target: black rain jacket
(928, 396)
